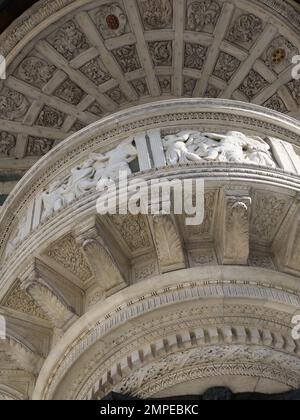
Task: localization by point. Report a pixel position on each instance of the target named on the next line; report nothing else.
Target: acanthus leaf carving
(7, 143)
(38, 146)
(69, 41)
(127, 58)
(245, 29)
(226, 66)
(35, 71)
(294, 88)
(133, 230)
(24, 357)
(13, 105)
(168, 243)
(202, 14)
(161, 52)
(50, 117)
(104, 266)
(233, 235)
(69, 92)
(194, 56)
(69, 255)
(22, 302)
(268, 211)
(253, 84)
(156, 14)
(96, 71)
(276, 103)
(55, 308)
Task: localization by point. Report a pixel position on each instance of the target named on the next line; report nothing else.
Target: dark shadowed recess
(11, 10)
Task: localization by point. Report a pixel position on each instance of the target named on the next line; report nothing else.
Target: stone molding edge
(245, 369)
(36, 15)
(144, 298)
(106, 133)
(85, 206)
(178, 342)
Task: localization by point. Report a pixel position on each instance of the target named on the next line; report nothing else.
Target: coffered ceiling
(93, 58)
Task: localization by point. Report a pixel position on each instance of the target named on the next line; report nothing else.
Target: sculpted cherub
(177, 149)
(53, 199)
(237, 147)
(110, 165)
(230, 149)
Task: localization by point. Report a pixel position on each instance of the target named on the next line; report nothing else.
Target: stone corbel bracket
(25, 357)
(105, 263)
(168, 243)
(48, 298)
(233, 231)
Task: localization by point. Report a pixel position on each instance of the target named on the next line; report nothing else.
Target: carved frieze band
(186, 147)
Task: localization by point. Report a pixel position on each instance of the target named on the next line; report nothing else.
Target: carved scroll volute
(233, 230)
(100, 259)
(168, 243)
(50, 302)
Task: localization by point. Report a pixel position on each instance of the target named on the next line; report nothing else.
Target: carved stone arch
(8, 393)
(216, 309)
(173, 375)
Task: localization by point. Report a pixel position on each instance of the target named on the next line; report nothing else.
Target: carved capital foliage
(233, 233)
(24, 357)
(51, 302)
(168, 243)
(101, 260)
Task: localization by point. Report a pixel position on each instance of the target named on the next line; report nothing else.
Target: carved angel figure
(7, 142)
(110, 165)
(157, 14)
(259, 153)
(53, 199)
(86, 176)
(239, 148)
(82, 179)
(177, 151)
